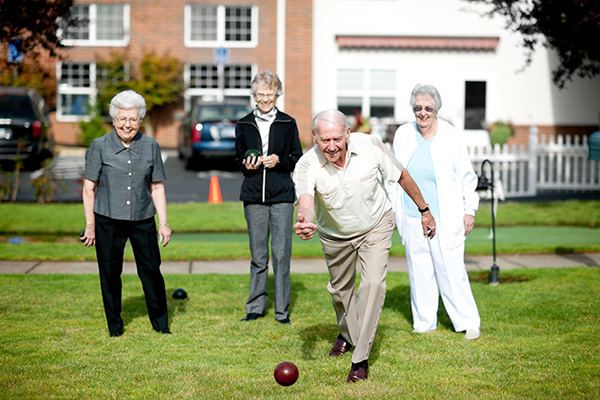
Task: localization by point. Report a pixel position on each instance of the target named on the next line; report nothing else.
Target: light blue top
(420, 168)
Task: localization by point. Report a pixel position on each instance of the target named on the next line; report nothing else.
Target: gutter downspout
(281, 30)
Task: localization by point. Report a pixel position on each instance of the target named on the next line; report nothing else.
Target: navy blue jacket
(270, 185)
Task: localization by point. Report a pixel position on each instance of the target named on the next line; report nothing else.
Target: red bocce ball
(286, 373)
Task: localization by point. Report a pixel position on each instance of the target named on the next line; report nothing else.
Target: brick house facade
(171, 28)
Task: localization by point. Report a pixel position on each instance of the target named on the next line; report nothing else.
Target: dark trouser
(111, 237)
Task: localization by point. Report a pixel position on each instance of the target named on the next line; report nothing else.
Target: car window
(219, 112)
(16, 107)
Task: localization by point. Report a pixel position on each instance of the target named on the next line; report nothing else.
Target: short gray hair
(126, 100)
(427, 90)
(268, 79)
(331, 115)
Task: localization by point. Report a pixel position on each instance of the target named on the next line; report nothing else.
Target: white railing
(556, 165)
(546, 164)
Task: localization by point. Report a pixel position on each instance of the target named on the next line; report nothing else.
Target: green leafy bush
(500, 132)
(90, 130)
(47, 184)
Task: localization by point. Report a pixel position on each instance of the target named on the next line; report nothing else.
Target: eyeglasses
(419, 108)
(270, 96)
(123, 120)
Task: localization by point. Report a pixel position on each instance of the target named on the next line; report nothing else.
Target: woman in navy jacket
(268, 193)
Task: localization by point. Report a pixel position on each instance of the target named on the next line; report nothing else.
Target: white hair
(126, 100)
(427, 90)
(331, 115)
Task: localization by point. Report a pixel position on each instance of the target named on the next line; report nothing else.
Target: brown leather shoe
(358, 373)
(340, 347)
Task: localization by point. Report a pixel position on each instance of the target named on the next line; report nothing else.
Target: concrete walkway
(302, 265)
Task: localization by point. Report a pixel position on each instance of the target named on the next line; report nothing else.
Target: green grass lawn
(215, 246)
(68, 219)
(540, 332)
(217, 231)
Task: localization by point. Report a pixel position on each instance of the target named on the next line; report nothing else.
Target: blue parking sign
(15, 51)
(221, 56)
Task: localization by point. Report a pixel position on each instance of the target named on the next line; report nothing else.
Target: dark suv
(24, 123)
(208, 131)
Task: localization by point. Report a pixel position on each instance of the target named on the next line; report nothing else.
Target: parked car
(208, 131)
(25, 127)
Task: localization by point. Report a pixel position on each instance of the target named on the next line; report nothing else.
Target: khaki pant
(358, 314)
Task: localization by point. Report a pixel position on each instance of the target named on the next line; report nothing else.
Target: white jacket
(456, 180)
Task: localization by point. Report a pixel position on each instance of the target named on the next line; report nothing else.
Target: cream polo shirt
(352, 200)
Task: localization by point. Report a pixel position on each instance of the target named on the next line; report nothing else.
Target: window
(350, 79)
(238, 77)
(99, 25)
(368, 92)
(219, 25)
(349, 105)
(382, 89)
(204, 77)
(203, 23)
(382, 107)
(217, 82)
(76, 89)
(475, 106)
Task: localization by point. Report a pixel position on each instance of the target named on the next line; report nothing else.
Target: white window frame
(366, 93)
(64, 89)
(218, 94)
(220, 41)
(93, 27)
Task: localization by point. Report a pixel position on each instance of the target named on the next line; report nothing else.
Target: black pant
(111, 237)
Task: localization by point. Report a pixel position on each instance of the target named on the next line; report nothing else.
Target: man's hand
(469, 223)
(428, 224)
(305, 230)
(164, 234)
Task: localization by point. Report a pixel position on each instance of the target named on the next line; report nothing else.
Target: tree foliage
(157, 78)
(569, 27)
(31, 73)
(35, 22)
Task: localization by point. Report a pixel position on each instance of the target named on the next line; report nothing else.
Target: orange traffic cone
(214, 193)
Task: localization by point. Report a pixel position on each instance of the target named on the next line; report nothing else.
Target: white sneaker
(472, 334)
(420, 331)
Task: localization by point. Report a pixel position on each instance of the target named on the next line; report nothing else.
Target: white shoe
(472, 334)
(420, 331)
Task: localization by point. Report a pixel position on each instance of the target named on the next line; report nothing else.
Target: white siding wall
(526, 98)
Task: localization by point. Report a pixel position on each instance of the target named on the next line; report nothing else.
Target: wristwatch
(424, 209)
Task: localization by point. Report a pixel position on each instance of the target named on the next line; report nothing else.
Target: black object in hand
(252, 153)
(81, 236)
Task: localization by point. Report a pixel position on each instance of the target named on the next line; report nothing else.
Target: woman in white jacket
(436, 157)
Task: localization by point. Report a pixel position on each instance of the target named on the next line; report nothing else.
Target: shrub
(500, 132)
(47, 184)
(92, 129)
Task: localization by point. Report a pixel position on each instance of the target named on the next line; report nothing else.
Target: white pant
(431, 268)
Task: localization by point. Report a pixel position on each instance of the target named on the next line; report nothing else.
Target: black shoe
(166, 331)
(359, 371)
(340, 347)
(284, 321)
(252, 316)
(116, 333)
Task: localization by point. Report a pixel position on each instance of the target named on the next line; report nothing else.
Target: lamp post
(483, 184)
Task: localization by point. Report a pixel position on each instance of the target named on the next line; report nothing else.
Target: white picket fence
(562, 164)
